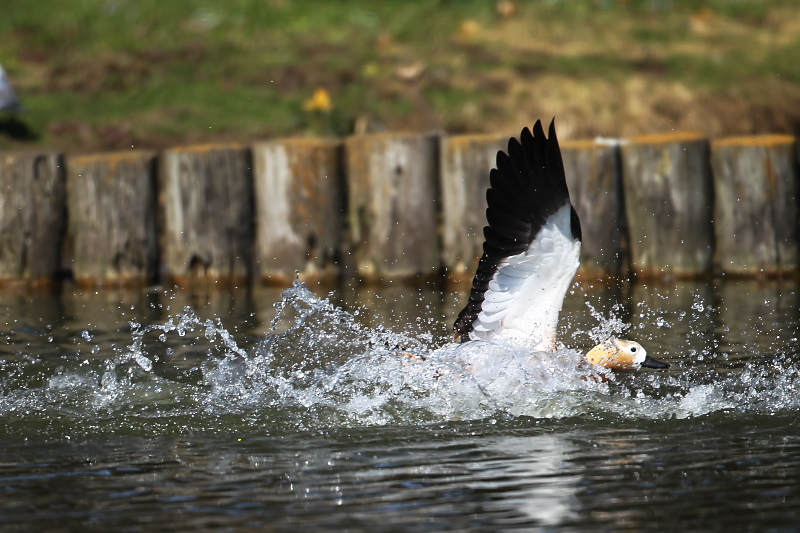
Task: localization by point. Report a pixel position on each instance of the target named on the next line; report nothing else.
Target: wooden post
(668, 204)
(465, 163)
(207, 201)
(755, 215)
(31, 215)
(111, 200)
(392, 208)
(595, 189)
(299, 209)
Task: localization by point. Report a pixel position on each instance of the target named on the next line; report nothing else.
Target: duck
(9, 101)
(531, 253)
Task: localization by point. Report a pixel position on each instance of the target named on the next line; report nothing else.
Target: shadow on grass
(17, 129)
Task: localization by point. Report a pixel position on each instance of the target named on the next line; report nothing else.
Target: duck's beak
(649, 362)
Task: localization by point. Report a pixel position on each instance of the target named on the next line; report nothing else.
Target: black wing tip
(538, 130)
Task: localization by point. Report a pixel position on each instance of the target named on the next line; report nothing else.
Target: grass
(108, 74)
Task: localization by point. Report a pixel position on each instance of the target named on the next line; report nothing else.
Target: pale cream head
(622, 355)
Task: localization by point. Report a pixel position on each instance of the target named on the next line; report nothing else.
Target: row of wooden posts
(387, 207)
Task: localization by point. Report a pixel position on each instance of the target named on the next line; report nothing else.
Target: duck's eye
(633, 349)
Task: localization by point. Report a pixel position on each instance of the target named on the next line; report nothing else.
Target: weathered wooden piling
(111, 206)
(668, 204)
(595, 189)
(465, 163)
(756, 210)
(32, 216)
(207, 203)
(299, 205)
(392, 207)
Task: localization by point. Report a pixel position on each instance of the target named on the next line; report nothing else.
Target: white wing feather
(526, 293)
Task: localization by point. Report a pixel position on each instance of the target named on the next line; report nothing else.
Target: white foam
(321, 367)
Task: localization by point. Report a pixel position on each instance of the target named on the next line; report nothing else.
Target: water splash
(320, 367)
(608, 327)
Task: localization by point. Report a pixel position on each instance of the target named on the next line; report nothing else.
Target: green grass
(105, 74)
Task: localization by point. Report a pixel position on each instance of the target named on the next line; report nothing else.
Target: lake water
(165, 409)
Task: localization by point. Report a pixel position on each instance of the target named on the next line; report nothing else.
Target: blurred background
(110, 74)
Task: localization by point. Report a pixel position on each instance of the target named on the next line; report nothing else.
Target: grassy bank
(108, 74)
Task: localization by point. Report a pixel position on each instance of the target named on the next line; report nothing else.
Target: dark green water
(126, 411)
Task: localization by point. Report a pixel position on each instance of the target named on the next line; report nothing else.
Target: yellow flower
(320, 101)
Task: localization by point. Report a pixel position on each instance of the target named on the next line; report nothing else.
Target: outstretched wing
(532, 246)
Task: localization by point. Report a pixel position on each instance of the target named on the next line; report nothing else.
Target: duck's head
(622, 355)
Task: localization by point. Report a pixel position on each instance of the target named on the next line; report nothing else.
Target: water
(169, 410)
